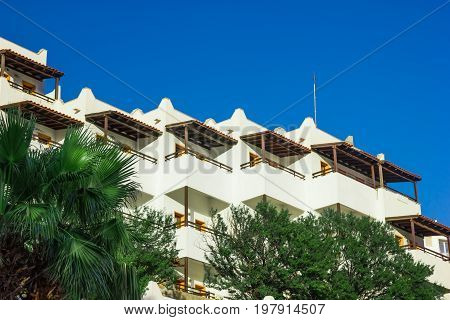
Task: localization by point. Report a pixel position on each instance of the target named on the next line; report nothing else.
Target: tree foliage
(153, 251)
(335, 256)
(62, 232)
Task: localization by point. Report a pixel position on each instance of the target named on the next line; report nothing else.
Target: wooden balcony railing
(127, 149)
(192, 224)
(46, 142)
(199, 156)
(198, 292)
(273, 164)
(31, 92)
(322, 172)
(343, 172)
(426, 250)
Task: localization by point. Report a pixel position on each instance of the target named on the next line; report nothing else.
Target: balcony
(46, 141)
(31, 92)
(197, 135)
(198, 156)
(38, 71)
(364, 167)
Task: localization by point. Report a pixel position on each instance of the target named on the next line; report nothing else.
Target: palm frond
(33, 221)
(113, 236)
(82, 268)
(16, 133)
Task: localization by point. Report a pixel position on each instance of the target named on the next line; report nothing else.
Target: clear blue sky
(211, 57)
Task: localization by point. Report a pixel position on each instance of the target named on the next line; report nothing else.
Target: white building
(189, 168)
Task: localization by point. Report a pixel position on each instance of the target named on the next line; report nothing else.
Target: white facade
(209, 187)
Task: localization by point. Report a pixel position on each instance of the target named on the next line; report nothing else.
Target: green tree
(369, 264)
(334, 256)
(261, 253)
(153, 252)
(62, 232)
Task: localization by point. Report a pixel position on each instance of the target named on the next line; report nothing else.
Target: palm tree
(62, 232)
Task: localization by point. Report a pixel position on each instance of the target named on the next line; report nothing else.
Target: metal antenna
(315, 100)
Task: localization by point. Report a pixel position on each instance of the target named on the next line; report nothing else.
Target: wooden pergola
(421, 226)
(276, 144)
(380, 171)
(200, 134)
(43, 115)
(13, 60)
(122, 124)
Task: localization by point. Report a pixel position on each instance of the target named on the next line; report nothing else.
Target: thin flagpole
(315, 100)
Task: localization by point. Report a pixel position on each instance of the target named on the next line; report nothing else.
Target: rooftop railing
(273, 164)
(199, 156)
(31, 92)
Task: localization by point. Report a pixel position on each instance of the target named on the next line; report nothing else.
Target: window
(180, 284)
(179, 219)
(200, 225)
(28, 87)
(399, 240)
(201, 289)
(324, 167)
(7, 76)
(443, 247)
(44, 139)
(179, 150)
(126, 148)
(253, 159)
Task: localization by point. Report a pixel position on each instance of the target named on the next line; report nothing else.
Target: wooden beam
(209, 137)
(128, 126)
(2, 65)
(338, 207)
(355, 157)
(380, 174)
(186, 206)
(430, 229)
(105, 126)
(448, 247)
(413, 234)
(372, 172)
(264, 198)
(186, 273)
(56, 88)
(397, 174)
(186, 137)
(263, 147)
(335, 161)
(13, 61)
(416, 196)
